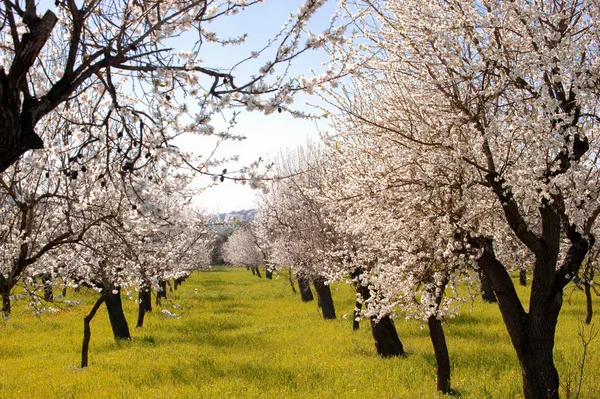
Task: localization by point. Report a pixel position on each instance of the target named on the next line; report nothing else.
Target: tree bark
(387, 342)
(442, 358)
(269, 273)
(305, 290)
(385, 336)
(588, 302)
(255, 269)
(438, 340)
(324, 298)
(523, 277)
(5, 290)
(17, 133)
(532, 334)
(47, 283)
(291, 280)
(161, 292)
(487, 289)
(114, 306)
(144, 306)
(87, 332)
(356, 315)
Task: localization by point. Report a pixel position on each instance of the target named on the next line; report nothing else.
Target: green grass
(243, 337)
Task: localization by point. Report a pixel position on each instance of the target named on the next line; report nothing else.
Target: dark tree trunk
(6, 302)
(438, 340)
(292, 281)
(305, 291)
(385, 336)
(442, 359)
(19, 117)
(179, 281)
(356, 315)
(255, 269)
(162, 291)
(47, 283)
(252, 270)
(324, 298)
(145, 305)
(87, 332)
(114, 307)
(588, 302)
(588, 278)
(487, 289)
(523, 277)
(387, 342)
(532, 334)
(269, 273)
(64, 290)
(5, 290)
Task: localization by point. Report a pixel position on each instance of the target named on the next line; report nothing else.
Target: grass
(238, 336)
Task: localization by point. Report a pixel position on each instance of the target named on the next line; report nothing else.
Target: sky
(267, 135)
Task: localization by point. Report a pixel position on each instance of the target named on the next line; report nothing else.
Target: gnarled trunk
(324, 298)
(532, 334)
(114, 306)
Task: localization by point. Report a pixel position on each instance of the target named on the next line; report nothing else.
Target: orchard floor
(237, 336)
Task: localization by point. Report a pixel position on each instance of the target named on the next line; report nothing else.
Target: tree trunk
(438, 340)
(19, 117)
(162, 291)
(487, 289)
(442, 358)
(5, 289)
(144, 306)
(356, 315)
(386, 338)
(532, 334)
(540, 378)
(87, 333)
(523, 277)
(114, 307)
(305, 291)
(269, 272)
(324, 298)
(47, 283)
(255, 268)
(588, 302)
(292, 280)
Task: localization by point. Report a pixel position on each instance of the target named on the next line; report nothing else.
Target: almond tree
(124, 51)
(241, 249)
(502, 96)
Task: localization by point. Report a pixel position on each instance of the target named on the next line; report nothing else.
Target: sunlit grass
(237, 336)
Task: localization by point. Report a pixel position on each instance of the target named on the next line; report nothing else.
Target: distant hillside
(246, 215)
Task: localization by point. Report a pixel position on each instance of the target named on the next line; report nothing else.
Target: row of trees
(466, 146)
(104, 90)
